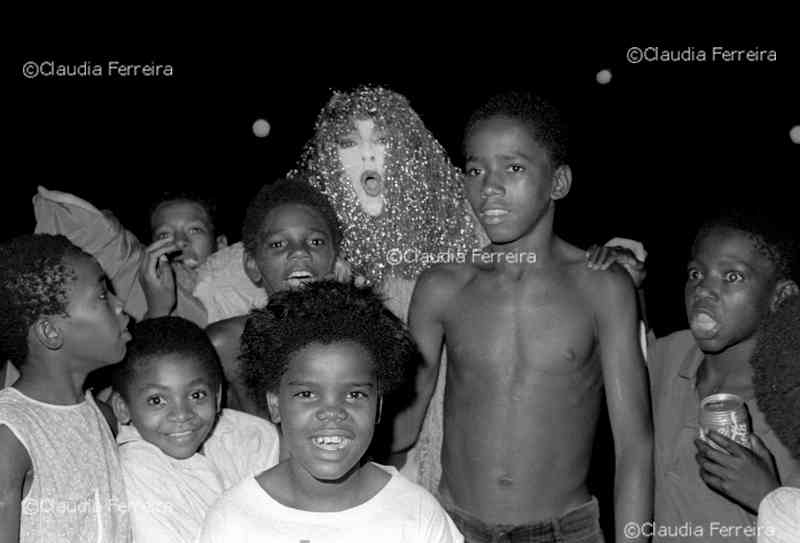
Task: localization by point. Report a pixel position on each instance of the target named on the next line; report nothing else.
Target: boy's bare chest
(544, 326)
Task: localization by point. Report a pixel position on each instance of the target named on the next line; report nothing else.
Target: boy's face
(295, 246)
(96, 328)
(188, 224)
(362, 153)
(327, 406)
(729, 289)
(173, 403)
(508, 178)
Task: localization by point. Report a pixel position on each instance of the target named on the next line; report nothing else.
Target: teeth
(181, 434)
(703, 322)
(495, 212)
(300, 275)
(331, 443)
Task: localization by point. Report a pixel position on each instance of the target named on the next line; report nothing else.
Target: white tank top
(77, 493)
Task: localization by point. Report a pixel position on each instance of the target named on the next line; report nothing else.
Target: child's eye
(734, 276)
(199, 395)
(196, 230)
(516, 168)
(317, 242)
(694, 274)
(275, 244)
(473, 172)
(155, 400)
(162, 235)
(305, 394)
(358, 395)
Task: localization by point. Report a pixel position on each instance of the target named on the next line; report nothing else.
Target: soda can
(726, 414)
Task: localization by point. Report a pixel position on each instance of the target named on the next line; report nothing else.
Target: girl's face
(362, 153)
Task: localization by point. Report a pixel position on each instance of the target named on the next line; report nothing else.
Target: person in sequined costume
(400, 201)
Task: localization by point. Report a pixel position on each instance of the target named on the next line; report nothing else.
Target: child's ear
(222, 242)
(274, 410)
(48, 334)
(562, 181)
(783, 291)
(120, 408)
(251, 269)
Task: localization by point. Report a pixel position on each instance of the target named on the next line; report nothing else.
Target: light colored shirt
(685, 508)
(779, 516)
(76, 494)
(400, 512)
(169, 498)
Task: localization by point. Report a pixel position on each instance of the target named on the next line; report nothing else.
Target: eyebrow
(352, 384)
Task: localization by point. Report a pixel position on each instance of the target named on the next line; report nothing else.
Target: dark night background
(661, 146)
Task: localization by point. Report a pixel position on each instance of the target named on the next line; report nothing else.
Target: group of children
(533, 348)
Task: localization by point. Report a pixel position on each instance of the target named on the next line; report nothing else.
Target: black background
(661, 146)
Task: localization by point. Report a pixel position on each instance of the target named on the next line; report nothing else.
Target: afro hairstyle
(543, 119)
(160, 337)
(33, 283)
(324, 312)
(286, 191)
(776, 373)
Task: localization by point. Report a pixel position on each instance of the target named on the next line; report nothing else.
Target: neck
(51, 381)
(534, 249)
(733, 364)
(325, 496)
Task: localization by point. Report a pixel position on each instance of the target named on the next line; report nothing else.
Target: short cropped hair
(165, 336)
(771, 240)
(324, 312)
(543, 119)
(33, 283)
(286, 191)
(172, 197)
(776, 373)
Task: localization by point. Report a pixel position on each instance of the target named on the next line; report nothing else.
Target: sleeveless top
(77, 493)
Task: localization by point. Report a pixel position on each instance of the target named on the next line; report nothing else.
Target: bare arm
(427, 329)
(14, 464)
(628, 398)
(226, 337)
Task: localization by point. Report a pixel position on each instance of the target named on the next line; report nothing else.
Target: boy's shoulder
(445, 279)
(227, 329)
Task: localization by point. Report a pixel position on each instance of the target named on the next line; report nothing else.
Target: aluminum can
(726, 414)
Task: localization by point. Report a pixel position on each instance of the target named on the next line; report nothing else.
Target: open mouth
(331, 443)
(703, 325)
(372, 183)
(179, 257)
(299, 277)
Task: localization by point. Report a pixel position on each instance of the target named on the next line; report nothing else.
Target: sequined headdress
(425, 213)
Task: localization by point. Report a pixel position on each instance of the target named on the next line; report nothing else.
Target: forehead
(498, 134)
(170, 370)
(733, 245)
(294, 215)
(87, 272)
(342, 361)
(179, 211)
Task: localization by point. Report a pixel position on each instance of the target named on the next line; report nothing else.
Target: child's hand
(158, 278)
(625, 254)
(740, 474)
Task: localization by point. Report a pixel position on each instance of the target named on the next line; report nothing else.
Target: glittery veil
(426, 217)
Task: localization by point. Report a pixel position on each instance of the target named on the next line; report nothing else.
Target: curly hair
(286, 191)
(324, 312)
(160, 337)
(544, 120)
(772, 241)
(33, 283)
(776, 373)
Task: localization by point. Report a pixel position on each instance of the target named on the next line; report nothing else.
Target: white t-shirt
(400, 512)
(779, 516)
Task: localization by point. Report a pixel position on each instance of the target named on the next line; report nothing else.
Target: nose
(181, 411)
(298, 249)
(331, 412)
(492, 184)
(706, 288)
(181, 240)
(368, 151)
